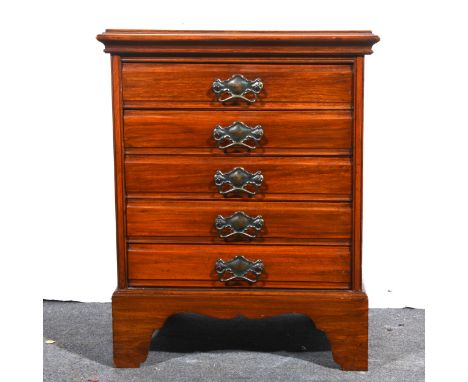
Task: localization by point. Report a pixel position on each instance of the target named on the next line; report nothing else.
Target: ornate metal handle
(237, 87)
(237, 134)
(238, 268)
(238, 180)
(238, 224)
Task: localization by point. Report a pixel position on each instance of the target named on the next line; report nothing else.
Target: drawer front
(195, 174)
(196, 219)
(190, 85)
(283, 266)
(283, 131)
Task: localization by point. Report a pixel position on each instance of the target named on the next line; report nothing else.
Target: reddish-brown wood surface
(194, 265)
(311, 111)
(287, 220)
(283, 85)
(357, 173)
(282, 130)
(119, 173)
(342, 315)
(192, 174)
(238, 43)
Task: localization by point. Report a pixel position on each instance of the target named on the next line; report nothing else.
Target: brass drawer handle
(239, 224)
(237, 134)
(238, 180)
(238, 269)
(237, 87)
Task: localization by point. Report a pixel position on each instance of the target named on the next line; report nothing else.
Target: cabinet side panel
(119, 171)
(357, 172)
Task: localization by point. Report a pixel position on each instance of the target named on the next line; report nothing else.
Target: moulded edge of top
(154, 42)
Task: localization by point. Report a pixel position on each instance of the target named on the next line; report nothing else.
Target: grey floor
(197, 348)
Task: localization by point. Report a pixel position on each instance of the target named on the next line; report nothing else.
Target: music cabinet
(238, 178)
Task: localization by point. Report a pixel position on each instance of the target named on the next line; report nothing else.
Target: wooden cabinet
(238, 172)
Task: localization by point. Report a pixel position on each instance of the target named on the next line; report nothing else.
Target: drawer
(174, 85)
(287, 221)
(278, 177)
(285, 132)
(194, 266)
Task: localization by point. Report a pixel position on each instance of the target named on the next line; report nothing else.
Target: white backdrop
(56, 157)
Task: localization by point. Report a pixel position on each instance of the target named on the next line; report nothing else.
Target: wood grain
(119, 173)
(342, 315)
(194, 265)
(190, 59)
(213, 153)
(282, 130)
(238, 43)
(167, 174)
(283, 84)
(311, 111)
(258, 241)
(282, 219)
(357, 173)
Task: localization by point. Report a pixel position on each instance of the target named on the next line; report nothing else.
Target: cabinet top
(139, 41)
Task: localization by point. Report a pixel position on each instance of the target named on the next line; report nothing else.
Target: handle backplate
(237, 87)
(239, 224)
(239, 268)
(238, 180)
(238, 134)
